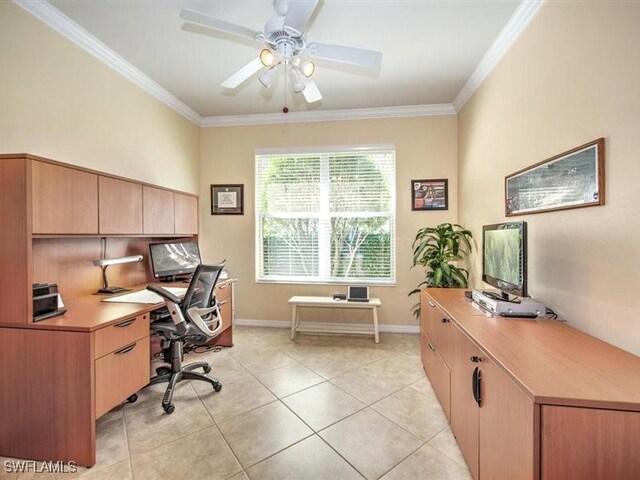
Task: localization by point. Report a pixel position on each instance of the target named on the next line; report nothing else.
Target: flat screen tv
(504, 257)
(171, 259)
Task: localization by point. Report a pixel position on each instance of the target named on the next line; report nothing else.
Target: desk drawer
(121, 374)
(121, 334)
(225, 311)
(223, 291)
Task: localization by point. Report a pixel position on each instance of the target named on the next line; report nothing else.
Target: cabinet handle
(476, 382)
(222, 287)
(222, 302)
(475, 359)
(126, 349)
(126, 323)
(431, 346)
(445, 320)
(431, 304)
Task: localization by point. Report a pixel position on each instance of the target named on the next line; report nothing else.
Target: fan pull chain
(285, 109)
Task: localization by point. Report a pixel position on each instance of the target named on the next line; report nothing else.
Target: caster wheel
(133, 398)
(206, 369)
(162, 370)
(217, 387)
(169, 408)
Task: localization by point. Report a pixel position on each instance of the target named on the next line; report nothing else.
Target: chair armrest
(166, 294)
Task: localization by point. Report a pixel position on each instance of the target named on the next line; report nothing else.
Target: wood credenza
(531, 399)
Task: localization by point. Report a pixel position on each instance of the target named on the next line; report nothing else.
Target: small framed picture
(227, 199)
(430, 194)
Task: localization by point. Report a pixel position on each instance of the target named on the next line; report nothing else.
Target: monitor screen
(504, 257)
(168, 259)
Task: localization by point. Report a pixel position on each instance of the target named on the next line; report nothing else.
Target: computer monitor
(504, 257)
(171, 259)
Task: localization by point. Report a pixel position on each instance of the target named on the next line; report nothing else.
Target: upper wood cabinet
(186, 214)
(120, 206)
(64, 200)
(158, 211)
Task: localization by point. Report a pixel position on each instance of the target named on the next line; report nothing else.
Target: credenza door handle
(126, 349)
(445, 320)
(126, 323)
(431, 346)
(222, 287)
(431, 304)
(222, 303)
(476, 382)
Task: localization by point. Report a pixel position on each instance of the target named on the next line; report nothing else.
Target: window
(326, 216)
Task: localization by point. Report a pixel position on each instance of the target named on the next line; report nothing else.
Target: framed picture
(572, 179)
(430, 194)
(227, 199)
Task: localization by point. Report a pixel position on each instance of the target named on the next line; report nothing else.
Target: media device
(339, 296)
(169, 260)
(504, 258)
(358, 293)
(504, 266)
(526, 307)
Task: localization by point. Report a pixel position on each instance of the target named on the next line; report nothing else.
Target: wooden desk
(59, 375)
(328, 302)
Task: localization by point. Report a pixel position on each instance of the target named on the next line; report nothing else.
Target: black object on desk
(45, 301)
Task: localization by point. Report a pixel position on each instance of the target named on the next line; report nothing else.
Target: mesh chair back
(200, 289)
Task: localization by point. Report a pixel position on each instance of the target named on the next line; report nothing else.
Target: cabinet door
(186, 214)
(437, 371)
(442, 334)
(120, 206)
(429, 314)
(65, 200)
(506, 427)
(157, 211)
(464, 409)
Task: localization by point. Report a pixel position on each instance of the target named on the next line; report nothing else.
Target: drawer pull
(222, 287)
(126, 323)
(222, 302)
(431, 346)
(475, 359)
(126, 349)
(445, 320)
(431, 304)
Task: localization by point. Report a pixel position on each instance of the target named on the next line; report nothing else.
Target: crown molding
(62, 24)
(329, 115)
(500, 46)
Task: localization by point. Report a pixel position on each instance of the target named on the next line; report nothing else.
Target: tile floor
(322, 407)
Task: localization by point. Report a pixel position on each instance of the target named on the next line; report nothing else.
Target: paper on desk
(145, 296)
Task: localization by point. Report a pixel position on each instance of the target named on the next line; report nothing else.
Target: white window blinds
(326, 217)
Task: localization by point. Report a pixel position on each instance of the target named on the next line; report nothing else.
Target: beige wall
(573, 76)
(60, 102)
(425, 148)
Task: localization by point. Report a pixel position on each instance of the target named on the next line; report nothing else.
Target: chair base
(177, 372)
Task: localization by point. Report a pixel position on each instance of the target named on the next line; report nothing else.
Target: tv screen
(169, 259)
(504, 257)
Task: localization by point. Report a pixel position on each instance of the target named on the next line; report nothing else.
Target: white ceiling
(429, 49)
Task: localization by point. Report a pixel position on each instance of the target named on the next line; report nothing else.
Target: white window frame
(324, 262)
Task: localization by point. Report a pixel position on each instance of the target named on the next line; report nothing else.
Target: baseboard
(246, 322)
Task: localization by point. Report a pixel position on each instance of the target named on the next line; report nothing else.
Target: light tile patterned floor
(322, 407)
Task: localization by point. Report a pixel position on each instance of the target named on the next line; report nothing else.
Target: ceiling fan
(284, 42)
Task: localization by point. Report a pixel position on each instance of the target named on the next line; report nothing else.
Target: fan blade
(354, 56)
(217, 24)
(311, 92)
(298, 15)
(243, 74)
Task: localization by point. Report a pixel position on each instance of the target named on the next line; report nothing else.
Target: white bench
(328, 302)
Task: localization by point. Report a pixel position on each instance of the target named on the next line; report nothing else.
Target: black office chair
(189, 321)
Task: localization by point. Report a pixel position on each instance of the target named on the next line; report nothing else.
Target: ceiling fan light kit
(283, 42)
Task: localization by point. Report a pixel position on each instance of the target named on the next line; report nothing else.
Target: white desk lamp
(105, 262)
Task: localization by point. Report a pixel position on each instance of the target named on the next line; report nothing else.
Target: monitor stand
(499, 295)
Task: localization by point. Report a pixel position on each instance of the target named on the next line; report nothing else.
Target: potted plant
(438, 250)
